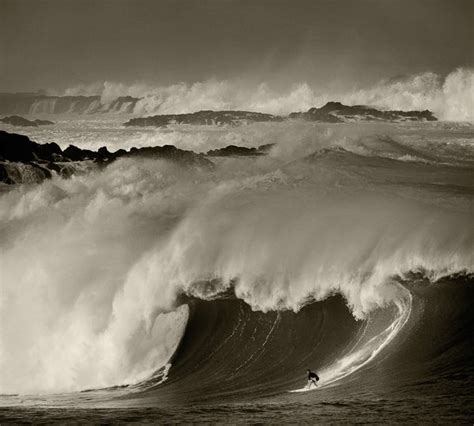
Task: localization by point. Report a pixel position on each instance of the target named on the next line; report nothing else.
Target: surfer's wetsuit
(312, 378)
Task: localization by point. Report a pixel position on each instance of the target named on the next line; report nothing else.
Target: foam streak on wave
(364, 351)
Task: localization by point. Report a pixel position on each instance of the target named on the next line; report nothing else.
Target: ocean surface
(152, 291)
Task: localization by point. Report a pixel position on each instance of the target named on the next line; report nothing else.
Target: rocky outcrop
(332, 112)
(19, 148)
(16, 120)
(238, 151)
(43, 122)
(335, 112)
(33, 172)
(207, 118)
(23, 160)
(170, 152)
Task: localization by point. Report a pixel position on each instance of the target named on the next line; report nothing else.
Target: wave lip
(370, 343)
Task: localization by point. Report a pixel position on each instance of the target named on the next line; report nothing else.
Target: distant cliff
(35, 103)
(217, 118)
(335, 112)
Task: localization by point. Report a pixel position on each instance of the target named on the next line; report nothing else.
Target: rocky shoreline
(25, 161)
(332, 112)
(206, 118)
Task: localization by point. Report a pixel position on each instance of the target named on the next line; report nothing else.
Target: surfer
(312, 378)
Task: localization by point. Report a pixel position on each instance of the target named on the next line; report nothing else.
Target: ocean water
(154, 291)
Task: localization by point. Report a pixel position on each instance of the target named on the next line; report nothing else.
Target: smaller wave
(449, 97)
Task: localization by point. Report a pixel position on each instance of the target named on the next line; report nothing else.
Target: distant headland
(332, 112)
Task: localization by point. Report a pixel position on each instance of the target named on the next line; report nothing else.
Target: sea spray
(448, 96)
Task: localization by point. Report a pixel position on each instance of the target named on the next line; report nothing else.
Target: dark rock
(332, 112)
(207, 118)
(74, 153)
(23, 173)
(335, 112)
(233, 150)
(103, 151)
(169, 152)
(43, 122)
(55, 167)
(103, 155)
(49, 152)
(16, 120)
(66, 170)
(46, 173)
(15, 147)
(4, 175)
(22, 160)
(119, 153)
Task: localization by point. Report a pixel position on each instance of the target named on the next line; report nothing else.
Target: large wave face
(94, 267)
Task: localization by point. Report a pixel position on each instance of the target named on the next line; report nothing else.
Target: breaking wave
(95, 268)
(450, 97)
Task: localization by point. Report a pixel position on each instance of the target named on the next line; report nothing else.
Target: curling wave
(94, 267)
(229, 352)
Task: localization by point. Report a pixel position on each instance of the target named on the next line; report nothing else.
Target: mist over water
(93, 266)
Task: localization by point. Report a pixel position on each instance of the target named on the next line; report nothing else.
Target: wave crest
(450, 97)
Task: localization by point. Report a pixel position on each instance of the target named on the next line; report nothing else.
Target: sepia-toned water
(155, 291)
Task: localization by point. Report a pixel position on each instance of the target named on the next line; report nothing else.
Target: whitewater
(349, 249)
(450, 96)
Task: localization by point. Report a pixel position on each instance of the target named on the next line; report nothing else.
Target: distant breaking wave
(450, 97)
(35, 104)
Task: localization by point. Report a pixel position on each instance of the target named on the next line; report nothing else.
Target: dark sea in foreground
(161, 293)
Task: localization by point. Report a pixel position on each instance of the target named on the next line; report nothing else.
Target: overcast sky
(59, 43)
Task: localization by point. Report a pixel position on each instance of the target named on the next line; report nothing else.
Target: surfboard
(305, 389)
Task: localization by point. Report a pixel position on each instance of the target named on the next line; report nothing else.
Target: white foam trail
(363, 352)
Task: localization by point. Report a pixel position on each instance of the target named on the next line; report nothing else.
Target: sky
(55, 44)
